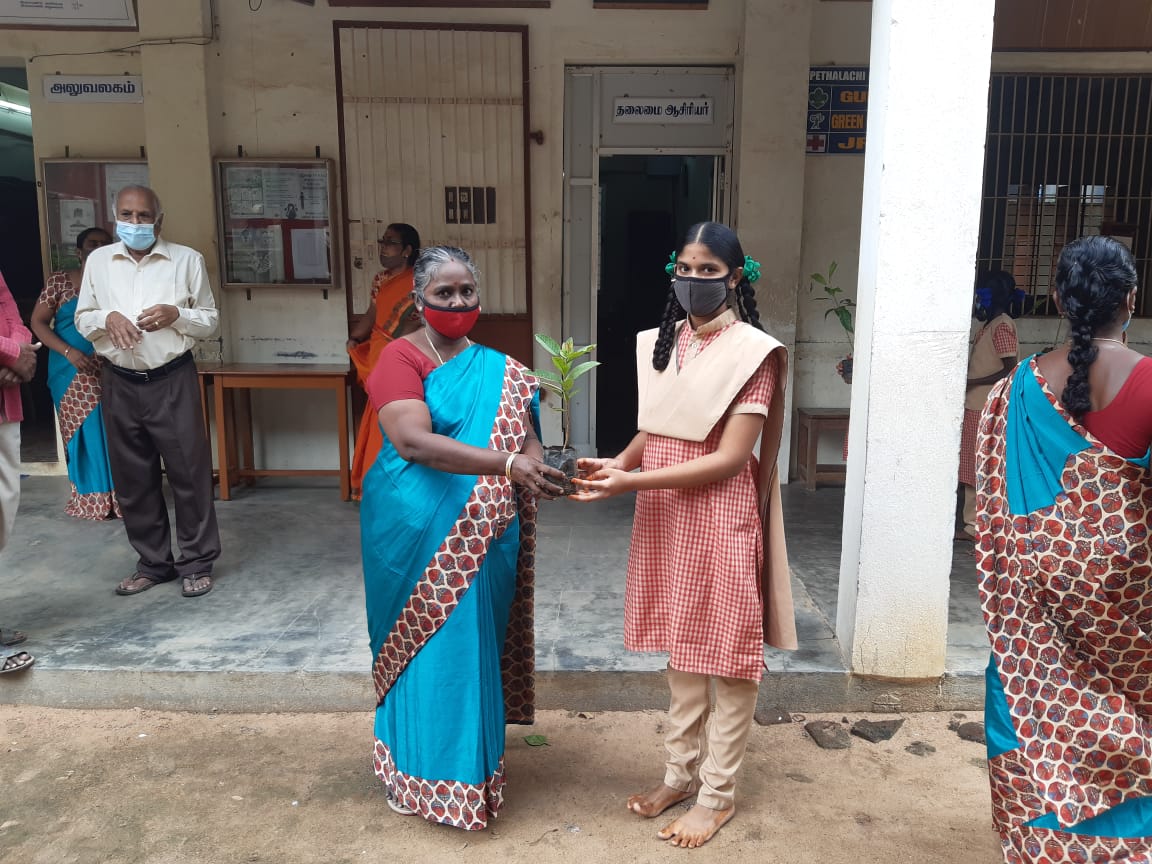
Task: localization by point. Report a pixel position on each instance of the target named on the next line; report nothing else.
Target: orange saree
(394, 316)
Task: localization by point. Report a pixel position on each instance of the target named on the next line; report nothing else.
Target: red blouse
(1125, 423)
(398, 374)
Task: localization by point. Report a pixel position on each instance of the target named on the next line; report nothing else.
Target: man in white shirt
(143, 303)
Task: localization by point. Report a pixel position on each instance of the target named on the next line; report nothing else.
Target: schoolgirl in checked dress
(708, 575)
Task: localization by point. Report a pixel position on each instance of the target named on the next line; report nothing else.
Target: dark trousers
(147, 421)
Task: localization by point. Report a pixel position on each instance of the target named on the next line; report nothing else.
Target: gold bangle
(508, 465)
(67, 348)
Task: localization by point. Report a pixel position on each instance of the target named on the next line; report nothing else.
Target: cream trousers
(710, 752)
(9, 478)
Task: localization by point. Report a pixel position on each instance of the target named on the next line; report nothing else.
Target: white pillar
(927, 114)
(177, 134)
(770, 189)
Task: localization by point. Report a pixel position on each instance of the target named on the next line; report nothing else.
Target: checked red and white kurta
(694, 564)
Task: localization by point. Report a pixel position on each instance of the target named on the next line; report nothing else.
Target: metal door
(433, 128)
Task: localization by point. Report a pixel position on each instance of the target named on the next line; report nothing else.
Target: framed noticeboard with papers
(275, 223)
(81, 194)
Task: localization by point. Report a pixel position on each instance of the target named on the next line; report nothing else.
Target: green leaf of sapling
(548, 344)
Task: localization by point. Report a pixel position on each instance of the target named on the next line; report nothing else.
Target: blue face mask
(137, 237)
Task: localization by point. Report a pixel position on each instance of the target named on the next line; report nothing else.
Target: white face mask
(138, 237)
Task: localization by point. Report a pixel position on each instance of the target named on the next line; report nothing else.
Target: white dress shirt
(170, 274)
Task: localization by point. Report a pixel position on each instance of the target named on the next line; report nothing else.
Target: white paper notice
(117, 176)
(310, 253)
(76, 215)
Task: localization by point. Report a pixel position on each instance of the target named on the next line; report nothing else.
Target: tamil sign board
(69, 14)
(93, 88)
(671, 112)
(837, 117)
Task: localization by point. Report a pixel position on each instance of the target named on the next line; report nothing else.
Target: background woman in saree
(448, 535)
(1065, 506)
(391, 315)
(994, 353)
(74, 381)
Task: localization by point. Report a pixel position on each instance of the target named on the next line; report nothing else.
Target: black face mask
(700, 296)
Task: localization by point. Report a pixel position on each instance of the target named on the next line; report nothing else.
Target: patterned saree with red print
(448, 577)
(1063, 547)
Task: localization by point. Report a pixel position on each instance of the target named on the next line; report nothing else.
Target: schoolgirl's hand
(602, 484)
(591, 466)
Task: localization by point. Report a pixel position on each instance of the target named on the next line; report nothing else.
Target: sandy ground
(143, 786)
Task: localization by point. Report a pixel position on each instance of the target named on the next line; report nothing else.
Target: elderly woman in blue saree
(448, 535)
(74, 382)
(1064, 503)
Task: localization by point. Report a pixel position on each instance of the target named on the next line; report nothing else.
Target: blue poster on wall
(837, 109)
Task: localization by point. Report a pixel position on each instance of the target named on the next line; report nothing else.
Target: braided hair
(1094, 276)
(722, 242)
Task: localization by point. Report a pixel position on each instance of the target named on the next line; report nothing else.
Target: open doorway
(647, 202)
(20, 252)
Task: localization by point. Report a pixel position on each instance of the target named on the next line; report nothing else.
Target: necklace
(1106, 339)
(467, 345)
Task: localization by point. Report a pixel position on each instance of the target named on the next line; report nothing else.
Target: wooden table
(809, 423)
(228, 378)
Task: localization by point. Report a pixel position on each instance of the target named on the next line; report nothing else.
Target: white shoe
(397, 807)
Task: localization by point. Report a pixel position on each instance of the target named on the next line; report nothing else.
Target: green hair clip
(670, 267)
(751, 269)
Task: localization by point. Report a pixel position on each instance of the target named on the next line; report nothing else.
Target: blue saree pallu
(1064, 573)
(77, 399)
(448, 579)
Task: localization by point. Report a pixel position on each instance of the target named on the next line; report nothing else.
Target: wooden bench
(806, 431)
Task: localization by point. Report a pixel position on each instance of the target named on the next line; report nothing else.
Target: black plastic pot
(564, 459)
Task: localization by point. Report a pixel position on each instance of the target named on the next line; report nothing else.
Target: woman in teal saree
(448, 539)
(1064, 507)
(74, 381)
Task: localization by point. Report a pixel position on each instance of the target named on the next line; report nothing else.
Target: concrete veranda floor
(284, 628)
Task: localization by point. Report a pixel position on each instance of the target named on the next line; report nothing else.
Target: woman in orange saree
(393, 315)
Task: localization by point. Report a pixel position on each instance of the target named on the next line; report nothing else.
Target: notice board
(275, 222)
(81, 194)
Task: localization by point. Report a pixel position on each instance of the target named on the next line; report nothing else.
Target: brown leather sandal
(138, 582)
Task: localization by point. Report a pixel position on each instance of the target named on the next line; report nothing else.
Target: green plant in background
(562, 382)
(841, 306)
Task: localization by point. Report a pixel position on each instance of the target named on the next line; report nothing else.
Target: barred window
(1067, 155)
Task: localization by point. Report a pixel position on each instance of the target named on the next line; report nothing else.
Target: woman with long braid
(1064, 507)
(707, 571)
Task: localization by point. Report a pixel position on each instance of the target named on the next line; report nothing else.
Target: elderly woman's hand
(536, 477)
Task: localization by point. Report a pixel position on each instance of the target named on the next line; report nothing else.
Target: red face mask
(451, 322)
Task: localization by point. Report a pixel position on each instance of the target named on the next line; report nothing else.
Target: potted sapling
(562, 384)
(842, 307)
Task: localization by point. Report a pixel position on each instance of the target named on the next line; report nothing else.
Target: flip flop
(8, 638)
(17, 662)
(189, 581)
(142, 582)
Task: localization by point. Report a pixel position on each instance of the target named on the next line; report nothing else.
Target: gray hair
(433, 258)
(147, 190)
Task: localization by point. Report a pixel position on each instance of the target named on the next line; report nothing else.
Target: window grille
(1067, 156)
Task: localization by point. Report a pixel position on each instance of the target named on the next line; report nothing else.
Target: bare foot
(696, 827)
(656, 801)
